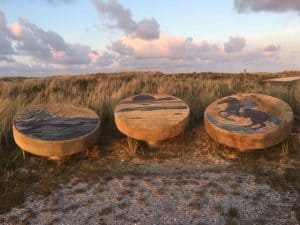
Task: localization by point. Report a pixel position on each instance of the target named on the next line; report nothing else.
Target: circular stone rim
(93, 132)
(184, 121)
(287, 126)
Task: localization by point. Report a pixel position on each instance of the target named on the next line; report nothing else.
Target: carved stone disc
(55, 130)
(249, 121)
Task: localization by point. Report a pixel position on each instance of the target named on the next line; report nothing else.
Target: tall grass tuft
(101, 92)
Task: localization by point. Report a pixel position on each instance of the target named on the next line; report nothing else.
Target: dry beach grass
(208, 179)
(101, 92)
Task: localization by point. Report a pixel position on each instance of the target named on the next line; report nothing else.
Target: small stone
(23, 173)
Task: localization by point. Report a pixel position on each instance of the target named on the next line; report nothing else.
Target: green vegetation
(101, 92)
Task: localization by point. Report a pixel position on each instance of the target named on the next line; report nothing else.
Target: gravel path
(163, 195)
(199, 187)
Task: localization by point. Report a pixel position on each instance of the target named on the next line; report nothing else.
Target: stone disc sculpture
(249, 121)
(56, 130)
(151, 118)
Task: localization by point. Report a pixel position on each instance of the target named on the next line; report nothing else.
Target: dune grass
(101, 92)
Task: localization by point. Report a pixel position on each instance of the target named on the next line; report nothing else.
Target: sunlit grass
(102, 92)
(130, 147)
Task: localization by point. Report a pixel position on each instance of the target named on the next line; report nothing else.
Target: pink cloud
(235, 44)
(49, 46)
(170, 47)
(38, 51)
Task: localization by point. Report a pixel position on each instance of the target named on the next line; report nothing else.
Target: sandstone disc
(151, 118)
(56, 130)
(249, 121)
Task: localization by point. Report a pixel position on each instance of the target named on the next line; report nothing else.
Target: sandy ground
(202, 187)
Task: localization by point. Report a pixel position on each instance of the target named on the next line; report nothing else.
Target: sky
(49, 37)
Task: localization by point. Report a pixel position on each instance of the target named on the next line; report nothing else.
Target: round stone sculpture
(151, 118)
(56, 130)
(249, 121)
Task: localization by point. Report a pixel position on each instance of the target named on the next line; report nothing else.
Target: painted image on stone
(43, 125)
(242, 116)
(144, 103)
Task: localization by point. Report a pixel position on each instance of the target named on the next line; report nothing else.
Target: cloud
(272, 48)
(27, 49)
(38, 52)
(59, 1)
(178, 54)
(120, 48)
(252, 61)
(147, 29)
(270, 51)
(267, 5)
(37, 69)
(106, 59)
(235, 44)
(53, 2)
(6, 59)
(5, 42)
(173, 48)
(47, 45)
(17, 68)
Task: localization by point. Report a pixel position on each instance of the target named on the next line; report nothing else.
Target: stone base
(57, 158)
(154, 144)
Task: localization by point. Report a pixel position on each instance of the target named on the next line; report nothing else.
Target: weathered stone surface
(55, 130)
(249, 121)
(151, 118)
